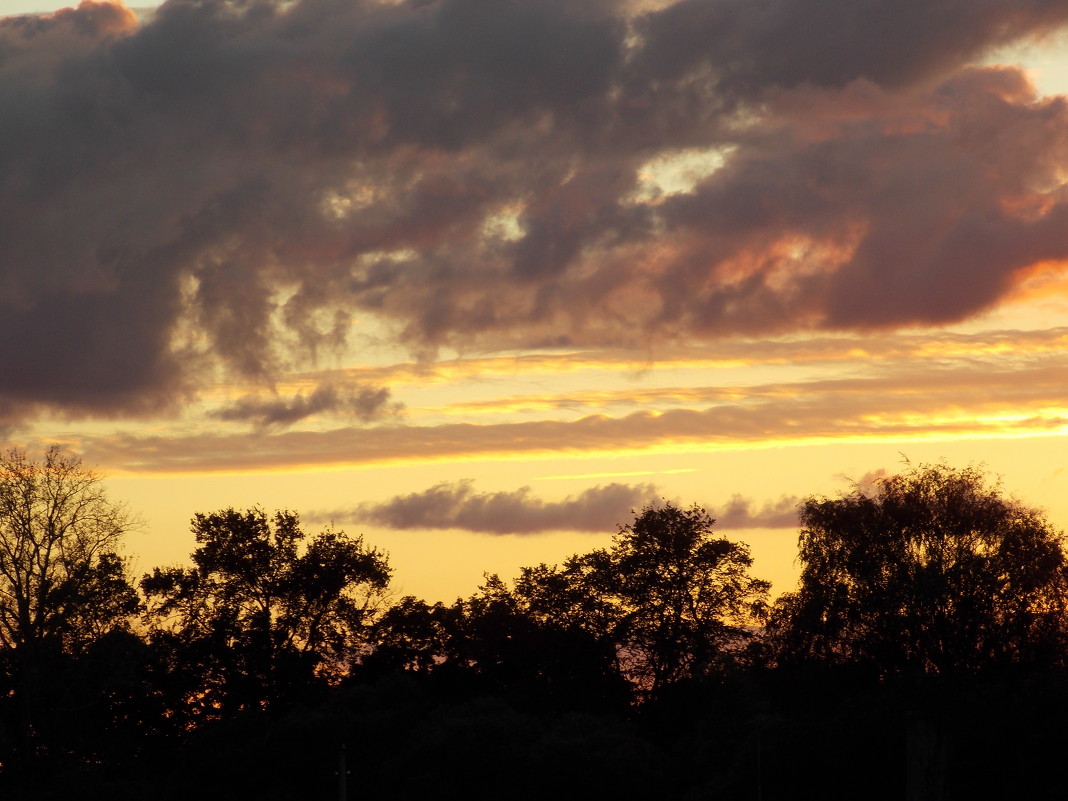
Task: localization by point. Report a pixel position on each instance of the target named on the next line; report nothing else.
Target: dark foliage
(921, 657)
(666, 603)
(668, 600)
(64, 595)
(932, 573)
(259, 618)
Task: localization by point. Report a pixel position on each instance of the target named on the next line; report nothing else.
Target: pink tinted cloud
(231, 184)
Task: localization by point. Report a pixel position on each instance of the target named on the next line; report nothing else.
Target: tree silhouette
(667, 602)
(258, 616)
(62, 583)
(673, 601)
(683, 598)
(932, 571)
(411, 636)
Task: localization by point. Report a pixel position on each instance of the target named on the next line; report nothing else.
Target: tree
(411, 636)
(666, 603)
(62, 582)
(63, 585)
(932, 571)
(684, 599)
(259, 616)
(673, 601)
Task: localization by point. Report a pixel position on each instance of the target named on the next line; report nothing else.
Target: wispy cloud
(1001, 347)
(362, 403)
(920, 405)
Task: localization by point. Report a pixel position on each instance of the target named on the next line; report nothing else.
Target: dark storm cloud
(360, 403)
(865, 211)
(458, 505)
(233, 181)
(747, 45)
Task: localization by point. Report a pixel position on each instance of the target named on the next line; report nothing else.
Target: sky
(478, 278)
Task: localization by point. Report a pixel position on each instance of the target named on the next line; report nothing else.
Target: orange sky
(478, 304)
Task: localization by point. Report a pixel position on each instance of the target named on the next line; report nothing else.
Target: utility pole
(342, 777)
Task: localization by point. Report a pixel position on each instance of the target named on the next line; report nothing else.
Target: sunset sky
(476, 278)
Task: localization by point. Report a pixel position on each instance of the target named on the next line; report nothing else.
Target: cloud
(870, 481)
(919, 401)
(894, 351)
(457, 505)
(362, 403)
(228, 186)
(742, 513)
(744, 47)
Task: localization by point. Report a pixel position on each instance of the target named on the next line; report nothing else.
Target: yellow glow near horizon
(630, 473)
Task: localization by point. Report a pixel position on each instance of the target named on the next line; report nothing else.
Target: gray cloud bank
(457, 505)
(235, 181)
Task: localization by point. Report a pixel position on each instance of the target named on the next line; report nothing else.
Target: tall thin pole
(342, 777)
(760, 770)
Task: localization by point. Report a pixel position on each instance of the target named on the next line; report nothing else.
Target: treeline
(922, 655)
